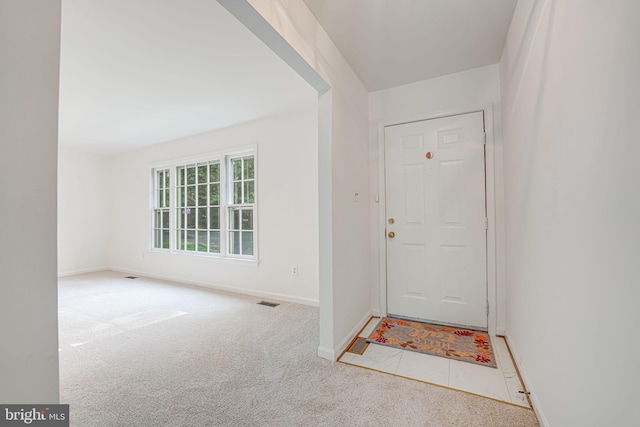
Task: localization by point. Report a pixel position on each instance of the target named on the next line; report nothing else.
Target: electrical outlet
(294, 270)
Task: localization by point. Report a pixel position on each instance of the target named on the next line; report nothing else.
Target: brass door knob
(391, 234)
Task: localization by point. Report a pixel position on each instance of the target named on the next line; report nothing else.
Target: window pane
(180, 240)
(214, 172)
(165, 219)
(191, 241)
(248, 192)
(248, 168)
(214, 241)
(234, 219)
(202, 195)
(180, 218)
(214, 195)
(234, 242)
(247, 243)
(237, 169)
(214, 218)
(191, 195)
(202, 219)
(203, 245)
(166, 198)
(191, 218)
(157, 238)
(180, 196)
(167, 182)
(165, 239)
(237, 192)
(191, 175)
(202, 173)
(158, 219)
(247, 219)
(181, 175)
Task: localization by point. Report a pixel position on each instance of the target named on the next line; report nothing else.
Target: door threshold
(435, 322)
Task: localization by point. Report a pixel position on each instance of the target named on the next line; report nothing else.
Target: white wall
(83, 211)
(287, 210)
(451, 93)
(29, 54)
(572, 197)
(345, 287)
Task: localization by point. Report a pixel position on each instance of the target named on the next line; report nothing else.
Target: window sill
(218, 258)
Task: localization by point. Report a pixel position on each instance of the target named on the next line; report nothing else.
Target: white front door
(436, 220)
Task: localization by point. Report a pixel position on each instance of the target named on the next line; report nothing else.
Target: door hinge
(484, 138)
(487, 308)
(486, 223)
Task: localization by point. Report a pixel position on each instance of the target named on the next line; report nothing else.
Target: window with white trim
(206, 206)
(161, 213)
(198, 207)
(241, 203)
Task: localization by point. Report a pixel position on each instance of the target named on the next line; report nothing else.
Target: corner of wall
(524, 376)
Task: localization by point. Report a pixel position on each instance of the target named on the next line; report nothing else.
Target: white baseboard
(537, 409)
(83, 271)
(349, 337)
(500, 331)
(250, 292)
(327, 353)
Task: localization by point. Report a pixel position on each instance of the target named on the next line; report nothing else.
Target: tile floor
(500, 384)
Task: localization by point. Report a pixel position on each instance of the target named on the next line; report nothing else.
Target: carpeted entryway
(149, 353)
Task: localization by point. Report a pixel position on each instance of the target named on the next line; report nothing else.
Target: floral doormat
(446, 341)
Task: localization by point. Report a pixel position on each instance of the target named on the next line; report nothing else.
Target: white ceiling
(139, 72)
(393, 42)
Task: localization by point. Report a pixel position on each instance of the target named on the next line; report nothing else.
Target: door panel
(435, 205)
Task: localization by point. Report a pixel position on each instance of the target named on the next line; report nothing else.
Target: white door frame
(487, 109)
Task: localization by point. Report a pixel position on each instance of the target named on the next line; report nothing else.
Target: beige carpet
(148, 353)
